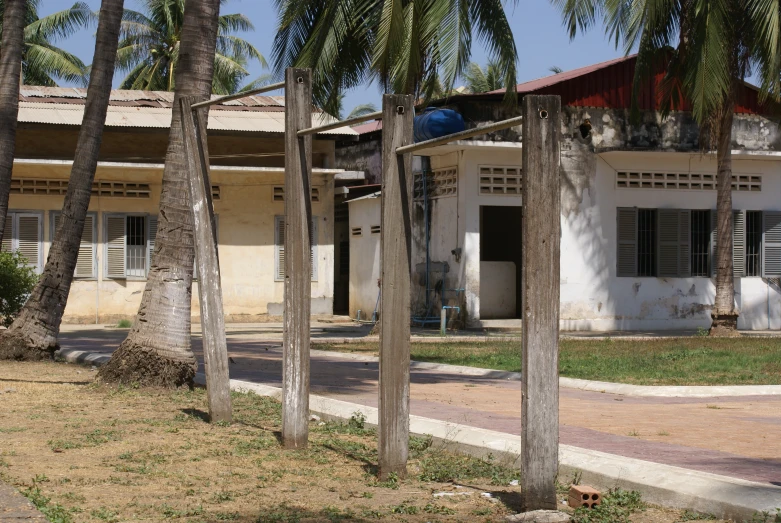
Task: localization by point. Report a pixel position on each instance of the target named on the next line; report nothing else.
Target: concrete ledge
(664, 485)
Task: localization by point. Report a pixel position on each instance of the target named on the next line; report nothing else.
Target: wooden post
(298, 263)
(215, 348)
(541, 231)
(396, 260)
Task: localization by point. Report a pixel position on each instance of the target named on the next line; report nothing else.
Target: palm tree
(405, 46)
(43, 63)
(150, 48)
(10, 73)
(33, 335)
(157, 349)
(483, 81)
(358, 110)
(555, 69)
(708, 49)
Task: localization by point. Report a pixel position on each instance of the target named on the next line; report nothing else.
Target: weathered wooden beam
(239, 96)
(298, 263)
(541, 230)
(462, 135)
(395, 255)
(215, 348)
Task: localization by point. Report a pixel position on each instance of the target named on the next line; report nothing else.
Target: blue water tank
(435, 122)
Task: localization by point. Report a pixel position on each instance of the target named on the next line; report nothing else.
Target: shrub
(17, 280)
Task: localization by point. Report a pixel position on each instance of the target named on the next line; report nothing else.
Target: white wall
(592, 296)
(364, 256)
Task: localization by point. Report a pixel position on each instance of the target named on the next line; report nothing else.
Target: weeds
(443, 467)
(616, 507)
(54, 512)
(690, 515)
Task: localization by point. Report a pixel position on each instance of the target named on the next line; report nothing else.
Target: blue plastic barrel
(434, 123)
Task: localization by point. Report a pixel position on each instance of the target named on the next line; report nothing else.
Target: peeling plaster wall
(364, 155)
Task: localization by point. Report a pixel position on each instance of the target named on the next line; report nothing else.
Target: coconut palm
(43, 63)
(157, 349)
(555, 69)
(708, 48)
(479, 80)
(405, 46)
(150, 47)
(10, 72)
(33, 335)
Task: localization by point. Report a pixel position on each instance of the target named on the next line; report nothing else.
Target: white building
(637, 222)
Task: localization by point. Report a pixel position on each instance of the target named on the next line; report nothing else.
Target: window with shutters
(700, 243)
(23, 233)
(279, 248)
(130, 240)
(86, 264)
(753, 243)
(771, 244)
(646, 242)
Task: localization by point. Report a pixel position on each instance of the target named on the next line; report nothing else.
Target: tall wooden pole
(396, 260)
(215, 348)
(298, 263)
(541, 231)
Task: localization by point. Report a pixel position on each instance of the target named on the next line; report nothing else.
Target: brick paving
(736, 437)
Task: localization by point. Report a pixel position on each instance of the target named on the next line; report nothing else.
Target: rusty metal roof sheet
(152, 109)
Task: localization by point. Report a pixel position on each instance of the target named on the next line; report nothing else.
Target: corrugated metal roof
(368, 127)
(160, 117)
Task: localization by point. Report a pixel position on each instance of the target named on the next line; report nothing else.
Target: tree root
(134, 364)
(724, 326)
(15, 346)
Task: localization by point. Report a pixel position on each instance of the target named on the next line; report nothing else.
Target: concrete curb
(664, 485)
(658, 391)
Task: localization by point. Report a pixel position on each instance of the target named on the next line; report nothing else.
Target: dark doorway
(500, 241)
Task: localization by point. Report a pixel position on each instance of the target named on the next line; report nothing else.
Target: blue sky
(542, 41)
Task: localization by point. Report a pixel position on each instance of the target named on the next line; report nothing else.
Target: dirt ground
(85, 452)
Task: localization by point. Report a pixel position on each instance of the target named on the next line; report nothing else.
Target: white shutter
(115, 245)
(684, 243)
(739, 243)
(8, 233)
(667, 232)
(151, 234)
(29, 239)
(627, 241)
(85, 264)
(313, 247)
(714, 225)
(771, 244)
(279, 248)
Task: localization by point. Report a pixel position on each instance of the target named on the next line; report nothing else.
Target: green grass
(682, 361)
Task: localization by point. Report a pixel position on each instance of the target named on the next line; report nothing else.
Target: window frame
(278, 275)
(149, 245)
(52, 231)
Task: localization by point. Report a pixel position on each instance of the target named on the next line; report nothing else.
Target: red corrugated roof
(368, 127)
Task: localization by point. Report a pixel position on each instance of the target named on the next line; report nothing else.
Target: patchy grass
(682, 361)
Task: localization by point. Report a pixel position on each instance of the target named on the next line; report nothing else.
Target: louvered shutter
(8, 233)
(115, 246)
(739, 243)
(771, 244)
(85, 264)
(151, 231)
(313, 247)
(627, 241)
(684, 243)
(29, 239)
(279, 248)
(714, 225)
(668, 242)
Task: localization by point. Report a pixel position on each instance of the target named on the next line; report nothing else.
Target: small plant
(439, 509)
(17, 279)
(105, 514)
(702, 332)
(767, 517)
(54, 512)
(633, 433)
(690, 515)
(404, 508)
(662, 433)
(124, 324)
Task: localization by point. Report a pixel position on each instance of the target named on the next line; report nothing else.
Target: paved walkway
(736, 437)
(16, 508)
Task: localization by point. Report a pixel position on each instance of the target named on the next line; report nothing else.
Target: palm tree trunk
(10, 78)
(157, 350)
(725, 316)
(33, 335)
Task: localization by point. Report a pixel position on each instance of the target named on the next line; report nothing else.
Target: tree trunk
(725, 316)
(10, 78)
(33, 335)
(157, 350)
